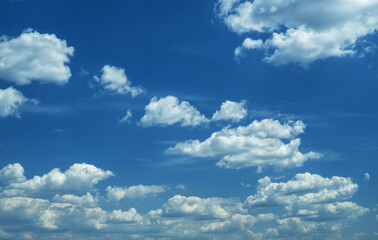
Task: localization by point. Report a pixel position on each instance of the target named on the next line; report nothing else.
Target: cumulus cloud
(44, 214)
(230, 110)
(12, 173)
(34, 57)
(169, 110)
(10, 102)
(86, 200)
(113, 79)
(308, 205)
(300, 31)
(118, 193)
(80, 177)
(237, 222)
(259, 145)
(315, 189)
(201, 207)
(309, 196)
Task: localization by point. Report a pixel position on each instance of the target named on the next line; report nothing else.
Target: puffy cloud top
(258, 144)
(78, 178)
(201, 207)
(305, 188)
(34, 57)
(10, 102)
(230, 111)
(301, 31)
(118, 193)
(113, 79)
(169, 110)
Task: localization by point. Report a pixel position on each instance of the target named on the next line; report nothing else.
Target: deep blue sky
(183, 49)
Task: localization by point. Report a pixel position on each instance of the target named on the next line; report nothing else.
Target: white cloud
(257, 145)
(309, 205)
(43, 214)
(34, 57)
(237, 222)
(118, 193)
(201, 207)
(309, 197)
(301, 31)
(113, 79)
(10, 102)
(230, 110)
(126, 117)
(366, 177)
(12, 173)
(85, 200)
(314, 189)
(248, 44)
(80, 177)
(169, 110)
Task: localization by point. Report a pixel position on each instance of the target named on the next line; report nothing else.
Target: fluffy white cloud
(301, 31)
(309, 205)
(12, 173)
(237, 222)
(309, 197)
(230, 110)
(169, 110)
(44, 214)
(257, 145)
(113, 79)
(34, 57)
(10, 102)
(305, 188)
(118, 193)
(86, 200)
(201, 207)
(79, 177)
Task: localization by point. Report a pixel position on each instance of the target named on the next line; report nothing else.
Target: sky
(216, 119)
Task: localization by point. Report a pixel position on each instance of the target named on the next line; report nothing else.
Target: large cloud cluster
(300, 31)
(308, 205)
(258, 144)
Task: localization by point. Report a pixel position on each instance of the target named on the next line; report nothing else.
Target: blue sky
(188, 119)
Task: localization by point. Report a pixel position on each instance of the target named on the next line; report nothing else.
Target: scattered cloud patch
(118, 193)
(230, 110)
(300, 31)
(34, 57)
(113, 79)
(170, 110)
(10, 102)
(260, 144)
(366, 177)
(126, 118)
